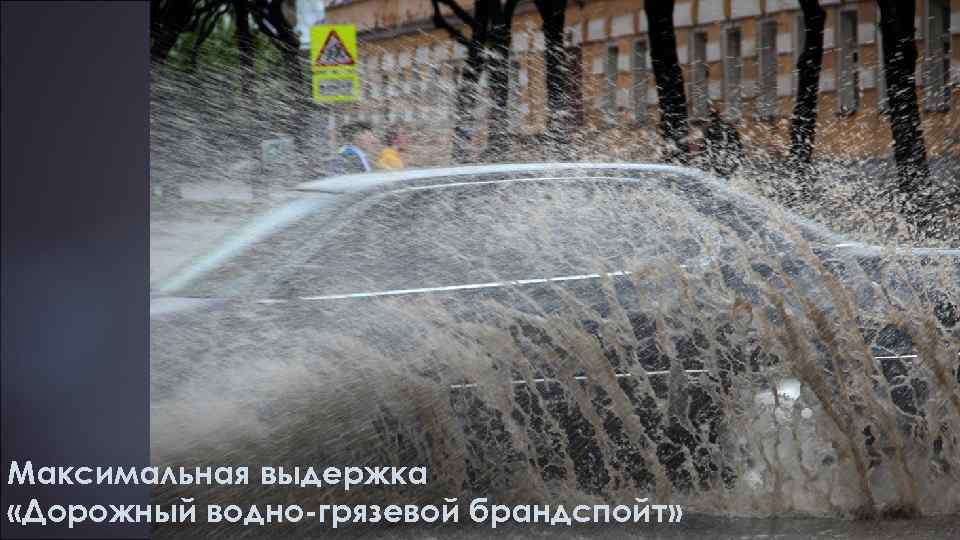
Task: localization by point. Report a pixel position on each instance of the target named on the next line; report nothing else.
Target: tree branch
(285, 34)
(210, 6)
(509, 8)
(170, 20)
(459, 12)
(205, 26)
(262, 25)
(261, 14)
(441, 22)
(208, 23)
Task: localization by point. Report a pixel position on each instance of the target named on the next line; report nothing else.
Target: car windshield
(454, 233)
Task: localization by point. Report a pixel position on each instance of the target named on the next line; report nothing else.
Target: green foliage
(219, 50)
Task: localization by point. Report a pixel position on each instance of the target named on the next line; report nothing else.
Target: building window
(937, 57)
(386, 99)
(484, 100)
(434, 92)
(882, 102)
(638, 71)
(799, 36)
(698, 65)
(405, 112)
(514, 105)
(455, 73)
(610, 86)
(769, 67)
(414, 95)
(848, 56)
(573, 61)
(732, 69)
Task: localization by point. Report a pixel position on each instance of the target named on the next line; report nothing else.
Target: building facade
(737, 55)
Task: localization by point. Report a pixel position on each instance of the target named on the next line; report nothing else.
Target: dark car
(603, 327)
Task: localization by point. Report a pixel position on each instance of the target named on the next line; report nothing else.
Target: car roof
(335, 187)
(353, 183)
(380, 181)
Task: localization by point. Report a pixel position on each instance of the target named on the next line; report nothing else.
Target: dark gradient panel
(75, 173)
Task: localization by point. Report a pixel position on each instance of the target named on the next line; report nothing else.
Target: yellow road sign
(333, 60)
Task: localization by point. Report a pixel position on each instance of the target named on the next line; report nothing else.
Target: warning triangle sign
(334, 52)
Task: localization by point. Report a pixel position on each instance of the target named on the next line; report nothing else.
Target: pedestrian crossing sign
(333, 62)
(333, 53)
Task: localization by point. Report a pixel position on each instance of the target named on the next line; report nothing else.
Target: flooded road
(727, 369)
(695, 528)
(692, 527)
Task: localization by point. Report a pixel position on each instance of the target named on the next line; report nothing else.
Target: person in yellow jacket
(389, 158)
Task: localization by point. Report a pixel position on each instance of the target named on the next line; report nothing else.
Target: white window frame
(882, 103)
(415, 94)
(514, 91)
(434, 91)
(456, 68)
(768, 69)
(699, 80)
(936, 65)
(847, 62)
(611, 75)
(386, 93)
(639, 78)
(732, 69)
(406, 113)
(799, 42)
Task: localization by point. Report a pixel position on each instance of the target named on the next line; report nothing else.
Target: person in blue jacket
(359, 142)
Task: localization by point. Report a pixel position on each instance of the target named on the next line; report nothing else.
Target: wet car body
(692, 420)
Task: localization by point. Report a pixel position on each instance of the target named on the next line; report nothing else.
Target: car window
(484, 233)
(455, 232)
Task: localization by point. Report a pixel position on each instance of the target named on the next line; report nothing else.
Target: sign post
(333, 61)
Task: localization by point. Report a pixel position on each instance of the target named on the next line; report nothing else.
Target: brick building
(739, 54)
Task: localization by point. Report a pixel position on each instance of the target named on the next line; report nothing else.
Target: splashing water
(720, 358)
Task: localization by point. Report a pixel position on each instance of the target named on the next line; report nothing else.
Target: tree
(235, 33)
(501, 37)
(668, 75)
(168, 19)
(274, 23)
(202, 28)
(909, 150)
(809, 64)
(479, 25)
(488, 47)
(247, 47)
(559, 117)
